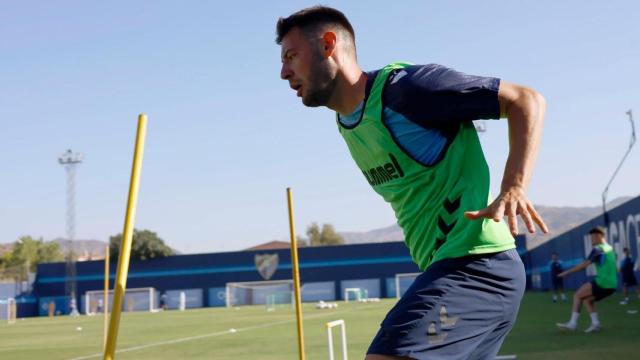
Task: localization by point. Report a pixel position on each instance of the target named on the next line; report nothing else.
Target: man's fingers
(526, 217)
(512, 218)
(537, 218)
(499, 213)
(513, 224)
(474, 215)
(511, 208)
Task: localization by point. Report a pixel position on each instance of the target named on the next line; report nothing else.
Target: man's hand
(563, 274)
(512, 202)
(524, 109)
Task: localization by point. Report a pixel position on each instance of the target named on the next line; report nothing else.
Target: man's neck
(350, 90)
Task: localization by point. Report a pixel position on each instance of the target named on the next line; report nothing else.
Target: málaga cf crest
(266, 265)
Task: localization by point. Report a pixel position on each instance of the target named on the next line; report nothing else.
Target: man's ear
(329, 43)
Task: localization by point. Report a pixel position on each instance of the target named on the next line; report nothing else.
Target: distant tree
(301, 241)
(313, 233)
(325, 236)
(146, 245)
(329, 236)
(50, 252)
(26, 254)
(7, 272)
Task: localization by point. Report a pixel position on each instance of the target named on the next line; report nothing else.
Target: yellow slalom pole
(125, 246)
(296, 275)
(105, 301)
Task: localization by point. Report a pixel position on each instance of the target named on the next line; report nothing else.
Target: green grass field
(204, 333)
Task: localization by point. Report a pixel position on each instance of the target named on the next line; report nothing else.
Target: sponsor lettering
(384, 173)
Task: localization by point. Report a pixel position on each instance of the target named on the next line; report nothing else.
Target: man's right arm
(524, 109)
(583, 265)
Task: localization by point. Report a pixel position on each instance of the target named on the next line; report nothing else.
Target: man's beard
(321, 84)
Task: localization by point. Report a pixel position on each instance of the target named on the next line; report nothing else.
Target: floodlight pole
(606, 189)
(70, 160)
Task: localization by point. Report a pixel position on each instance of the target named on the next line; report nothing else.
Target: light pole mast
(69, 160)
(606, 189)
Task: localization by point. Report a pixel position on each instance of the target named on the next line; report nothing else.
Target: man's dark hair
(625, 249)
(597, 230)
(310, 19)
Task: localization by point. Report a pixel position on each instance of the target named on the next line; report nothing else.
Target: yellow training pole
(296, 275)
(105, 301)
(125, 246)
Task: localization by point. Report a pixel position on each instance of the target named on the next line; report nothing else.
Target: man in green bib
(604, 284)
(409, 130)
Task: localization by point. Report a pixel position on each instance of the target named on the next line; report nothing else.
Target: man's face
(554, 257)
(596, 239)
(306, 69)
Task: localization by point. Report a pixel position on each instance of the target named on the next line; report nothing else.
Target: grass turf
(205, 333)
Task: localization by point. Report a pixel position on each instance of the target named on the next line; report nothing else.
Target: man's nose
(285, 72)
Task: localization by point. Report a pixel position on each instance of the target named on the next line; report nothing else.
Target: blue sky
(226, 136)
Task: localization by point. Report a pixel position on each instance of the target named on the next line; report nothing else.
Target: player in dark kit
(627, 271)
(409, 130)
(555, 268)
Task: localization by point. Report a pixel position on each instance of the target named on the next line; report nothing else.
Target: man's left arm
(524, 109)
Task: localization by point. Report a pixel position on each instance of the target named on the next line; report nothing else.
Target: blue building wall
(324, 271)
(573, 246)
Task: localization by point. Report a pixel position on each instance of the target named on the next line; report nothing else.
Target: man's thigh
(584, 291)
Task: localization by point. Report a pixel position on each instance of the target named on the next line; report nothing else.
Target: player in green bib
(603, 285)
(409, 130)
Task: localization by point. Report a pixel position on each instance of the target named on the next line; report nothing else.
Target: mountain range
(558, 219)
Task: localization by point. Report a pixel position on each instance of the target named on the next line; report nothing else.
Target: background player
(604, 284)
(627, 271)
(555, 268)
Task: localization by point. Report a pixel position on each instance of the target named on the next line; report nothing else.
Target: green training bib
(429, 201)
(607, 272)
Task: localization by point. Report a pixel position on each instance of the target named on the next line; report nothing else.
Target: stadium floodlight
(343, 333)
(606, 189)
(402, 279)
(136, 299)
(259, 293)
(70, 160)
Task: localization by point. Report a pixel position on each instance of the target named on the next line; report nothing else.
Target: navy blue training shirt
(425, 104)
(626, 265)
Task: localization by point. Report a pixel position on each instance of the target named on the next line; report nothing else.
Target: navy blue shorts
(629, 279)
(600, 293)
(457, 309)
(557, 283)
